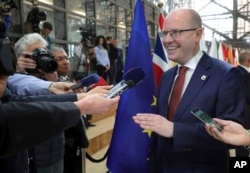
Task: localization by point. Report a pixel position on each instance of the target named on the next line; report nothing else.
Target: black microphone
(87, 81)
(130, 79)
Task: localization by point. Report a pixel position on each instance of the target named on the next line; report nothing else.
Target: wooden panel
(98, 117)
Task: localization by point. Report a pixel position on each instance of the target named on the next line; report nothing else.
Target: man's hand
(97, 90)
(25, 63)
(96, 104)
(61, 87)
(156, 123)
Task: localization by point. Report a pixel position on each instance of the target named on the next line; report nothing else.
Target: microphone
(130, 79)
(87, 81)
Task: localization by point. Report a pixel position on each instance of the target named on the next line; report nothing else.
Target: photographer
(6, 16)
(80, 54)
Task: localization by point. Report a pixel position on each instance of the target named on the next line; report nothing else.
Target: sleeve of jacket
(24, 124)
(22, 84)
(8, 96)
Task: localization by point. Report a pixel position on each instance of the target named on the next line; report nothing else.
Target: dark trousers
(112, 74)
(101, 71)
(73, 160)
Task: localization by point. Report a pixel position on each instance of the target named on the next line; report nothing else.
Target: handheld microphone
(130, 79)
(87, 81)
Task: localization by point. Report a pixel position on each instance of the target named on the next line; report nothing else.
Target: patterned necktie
(176, 93)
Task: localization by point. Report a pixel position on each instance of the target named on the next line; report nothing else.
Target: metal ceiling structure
(227, 20)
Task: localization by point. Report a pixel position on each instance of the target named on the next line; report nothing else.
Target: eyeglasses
(60, 58)
(175, 33)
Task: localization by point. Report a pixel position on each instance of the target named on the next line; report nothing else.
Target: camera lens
(47, 64)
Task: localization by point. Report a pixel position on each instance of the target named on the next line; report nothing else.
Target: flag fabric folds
(129, 147)
(213, 51)
(160, 62)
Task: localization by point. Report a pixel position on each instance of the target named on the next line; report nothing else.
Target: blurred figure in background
(102, 57)
(113, 58)
(120, 66)
(244, 67)
(47, 28)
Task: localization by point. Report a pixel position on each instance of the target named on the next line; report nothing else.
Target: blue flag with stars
(129, 147)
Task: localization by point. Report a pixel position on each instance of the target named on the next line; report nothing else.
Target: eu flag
(129, 148)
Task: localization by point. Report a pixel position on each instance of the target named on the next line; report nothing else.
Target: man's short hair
(47, 25)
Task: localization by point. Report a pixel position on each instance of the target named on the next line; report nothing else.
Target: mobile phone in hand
(201, 115)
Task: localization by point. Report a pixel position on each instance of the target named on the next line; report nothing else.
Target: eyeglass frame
(177, 33)
(61, 58)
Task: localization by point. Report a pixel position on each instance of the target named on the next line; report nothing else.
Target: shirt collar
(192, 63)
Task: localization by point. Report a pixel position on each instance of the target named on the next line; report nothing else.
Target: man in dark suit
(181, 144)
(244, 66)
(113, 56)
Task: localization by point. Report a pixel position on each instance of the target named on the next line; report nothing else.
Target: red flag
(160, 62)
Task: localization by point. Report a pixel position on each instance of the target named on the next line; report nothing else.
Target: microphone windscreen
(90, 79)
(130, 83)
(135, 74)
(87, 81)
(101, 82)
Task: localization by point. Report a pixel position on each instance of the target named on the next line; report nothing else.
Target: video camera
(44, 61)
(7, 5)
(35, 16)
(87, 35)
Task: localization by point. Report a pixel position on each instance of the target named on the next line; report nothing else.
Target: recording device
(130, 79)
(87, 81)
(7, 59)
(35, 16)
(87, 34)
(198, 113)
(44, 61)
(7, 5)
(120, 88)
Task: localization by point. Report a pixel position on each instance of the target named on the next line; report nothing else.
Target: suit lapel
(199, 78)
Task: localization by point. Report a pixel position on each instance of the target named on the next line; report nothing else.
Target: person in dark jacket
(244, 60)
(113, 56)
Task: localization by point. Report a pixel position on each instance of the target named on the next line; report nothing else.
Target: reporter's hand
(25, 63)
(61, 87)
(96, 104)
(100, 89)
(232, 132)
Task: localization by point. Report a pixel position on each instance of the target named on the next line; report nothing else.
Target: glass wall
(70, 19)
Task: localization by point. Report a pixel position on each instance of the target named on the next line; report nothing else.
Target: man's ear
(198, 34)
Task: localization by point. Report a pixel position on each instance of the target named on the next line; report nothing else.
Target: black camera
(6, 6)
(44, 60)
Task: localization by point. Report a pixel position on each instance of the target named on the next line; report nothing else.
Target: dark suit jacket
(246, 78)
(241, 151)
(23, 125)
(20, 160)
(191, 149)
